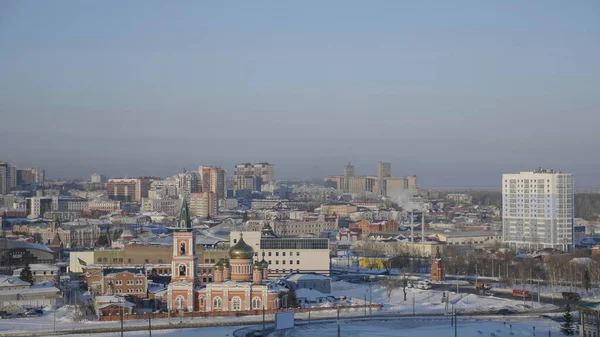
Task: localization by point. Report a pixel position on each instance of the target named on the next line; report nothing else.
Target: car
(9, 315)
(506, 312)
(34, 313)
(546, 316)
(489, 293)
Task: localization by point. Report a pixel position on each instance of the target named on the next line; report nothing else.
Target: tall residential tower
(537, 210)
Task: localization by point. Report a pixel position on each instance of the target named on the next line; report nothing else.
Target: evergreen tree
(567, 327)
(292, 298)
(26, 274)
(245, 216)
(103, 240)
(586, 280)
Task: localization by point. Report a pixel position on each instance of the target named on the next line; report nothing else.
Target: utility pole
(413, 304)
(264, 318)
(338, 322)
(122, 319)
(455, 323)
(150, 324)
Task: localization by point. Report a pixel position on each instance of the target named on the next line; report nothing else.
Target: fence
(229, 313)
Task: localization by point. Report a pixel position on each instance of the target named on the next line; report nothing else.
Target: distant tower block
(438, 270)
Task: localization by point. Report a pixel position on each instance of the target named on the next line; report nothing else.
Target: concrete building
(537, 210)
(104, 205)
(339, 209)
(248, 176)
(384, 170)
(37, 206)
(128, 189)
(168, 206)
(30, 176)
(98, 178)
(288, 255)
(212, 179)
(382, 184)
(203, 205)
(6, 177)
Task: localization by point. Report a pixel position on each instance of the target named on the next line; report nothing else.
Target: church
(240, 283)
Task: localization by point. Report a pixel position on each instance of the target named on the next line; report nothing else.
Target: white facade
(537, 210)
(288, 258)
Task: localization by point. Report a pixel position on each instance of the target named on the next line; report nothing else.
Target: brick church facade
(239, 282)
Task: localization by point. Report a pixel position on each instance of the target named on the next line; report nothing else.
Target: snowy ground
(426, 328)
(428, 301)
(425, 302)
(226, 331)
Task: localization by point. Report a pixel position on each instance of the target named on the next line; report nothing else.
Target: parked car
(506, 312)
(9, 315)
(34, 313)
(521, 293)
(571, 296)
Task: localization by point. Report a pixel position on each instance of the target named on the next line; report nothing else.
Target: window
(276, 261)
(269, 253)
(160, 261)
(118, 290)
(119, 282)
(297, 253)
(283, 262)
(206, 260)
(201, 301)
(276, 253)
(291, 261)
(269, 261)
(212, 260)
(114, 260)
(283, 253)
(128, 260)
(297, 261)
(234, 240)
(147, 261)
(256, 303)
(105, 260)
(121, 260)
(217, 302)
(236, 304)
(180, 302)
(99, 259)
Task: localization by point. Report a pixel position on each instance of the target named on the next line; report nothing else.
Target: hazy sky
(456, 92)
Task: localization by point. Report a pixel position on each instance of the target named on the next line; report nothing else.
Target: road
(469, 289)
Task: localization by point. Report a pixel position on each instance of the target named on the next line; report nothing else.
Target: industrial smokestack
(412, 227)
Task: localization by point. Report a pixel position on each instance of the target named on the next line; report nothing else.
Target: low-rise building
(112, 306)
(131, 281)
(40, 272)
(339, 209)
(468, 237)
(313, 281)
(365, 226)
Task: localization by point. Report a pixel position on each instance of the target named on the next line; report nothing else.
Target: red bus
(521, 293)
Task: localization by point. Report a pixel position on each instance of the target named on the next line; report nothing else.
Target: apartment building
(212, 179)
(302, 228)
(203, 205)
(168, 206)
(37, 206)
(288, 255)
(30, 176)
(104, 205)
(8, 179)
(537, 210)
(128, 189)
(248, 176)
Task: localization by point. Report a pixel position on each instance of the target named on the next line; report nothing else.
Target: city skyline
(456, 93)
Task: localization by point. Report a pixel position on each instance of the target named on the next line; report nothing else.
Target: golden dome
(241, 250)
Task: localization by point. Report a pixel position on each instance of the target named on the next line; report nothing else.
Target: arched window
(180, 302)
(256, 303)
(182, 270)
(201, 301)
(182, 248)
(236, 304)
(217, 302)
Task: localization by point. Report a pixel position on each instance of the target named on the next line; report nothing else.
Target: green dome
(258, 266)
(264, 264)
(241, 250)
(219, 265)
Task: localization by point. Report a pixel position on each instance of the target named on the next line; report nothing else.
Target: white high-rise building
(537, 210)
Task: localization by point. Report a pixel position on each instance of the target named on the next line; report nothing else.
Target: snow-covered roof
(32, 290)
(306, 277)
(11, 281)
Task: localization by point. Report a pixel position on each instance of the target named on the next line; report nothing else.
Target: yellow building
(340, 209)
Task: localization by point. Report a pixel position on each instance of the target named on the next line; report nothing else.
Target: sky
(456, 92)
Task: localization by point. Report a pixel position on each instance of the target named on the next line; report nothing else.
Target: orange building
(131, 281)
(367, 227)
